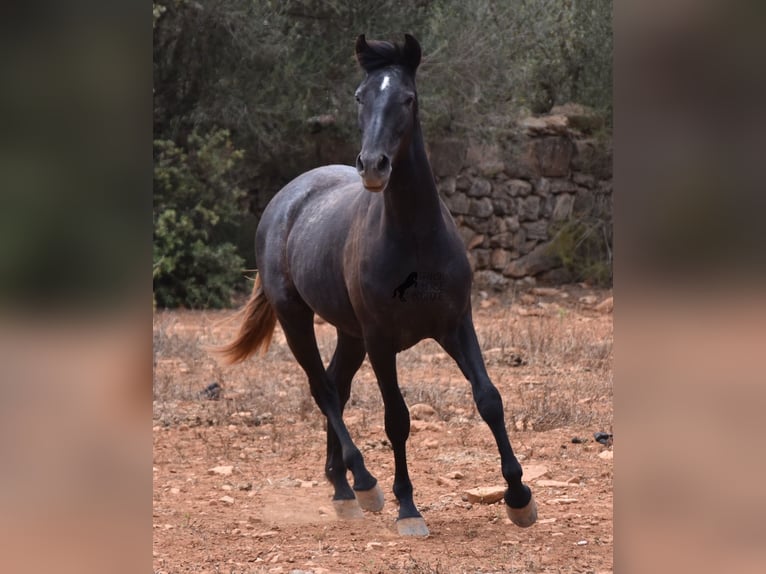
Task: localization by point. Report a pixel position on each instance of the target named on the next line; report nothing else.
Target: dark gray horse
(336, 242)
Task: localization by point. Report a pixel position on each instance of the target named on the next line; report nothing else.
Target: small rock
(444, 481)
(574, 480)
(588, 299)
(555, 483)
(175, 490)
(245, 486)
(267, 534)
(212, 392)
(578, 440)
(455, 474)
(423, 412)
(582, 543)
(307, 483)
(373, 545)
(227, 499)
(546, 291)
(222, 470)
(606, 306)
(533, 471)
(485, 494)
(226, 487)
(562, 500)
(603, 437)
(431, 443)
(546, 521)
(606, 455)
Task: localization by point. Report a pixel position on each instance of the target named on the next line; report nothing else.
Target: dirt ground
(266, 508)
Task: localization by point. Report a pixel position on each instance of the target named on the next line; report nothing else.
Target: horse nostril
(359, 164)
(383, 163)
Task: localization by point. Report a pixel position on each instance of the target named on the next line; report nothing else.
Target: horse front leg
(463, 346)
(397, 421)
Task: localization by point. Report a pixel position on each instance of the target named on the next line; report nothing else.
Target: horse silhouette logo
(411, 281)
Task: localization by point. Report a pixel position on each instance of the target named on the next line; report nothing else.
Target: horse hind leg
(297, 323)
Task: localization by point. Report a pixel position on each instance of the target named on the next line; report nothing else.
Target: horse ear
(361, 47)
(412, 52)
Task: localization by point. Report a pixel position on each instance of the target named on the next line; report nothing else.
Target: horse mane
(375, 54)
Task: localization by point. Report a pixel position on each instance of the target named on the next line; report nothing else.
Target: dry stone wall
(509, 199)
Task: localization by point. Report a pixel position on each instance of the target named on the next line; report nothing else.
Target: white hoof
(371, 500)
(523, 517)
(415, 526)
(347, 509)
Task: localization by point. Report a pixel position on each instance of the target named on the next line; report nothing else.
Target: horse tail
(258, 321)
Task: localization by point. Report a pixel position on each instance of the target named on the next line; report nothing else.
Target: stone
(485, 494)
(553, 155)
(491, 167)
(529, 208)
(556, 483)
(606, 306)
(543, 187)
(456, 475)
(589, 300)
(490, 280)
(519, 187)
(499, 259)
(562, 500)
(504, 205)
(423, 412)
(447, 157)
(502, 240)
(480, 188)
(497, 225)
(536, 229)
(512, 223)
(548, 124)
(481, 258)
(563, 207)
(227, 499)
(540, 259)
(431, 443)
(475, 241)
(562, 186)
(606, 455)
(373, 545)
(579, 117)
(458, 203)
(584, 179)
(533, 471)
(221, 470)
(448, 482)
(481, 207)
(446, 186)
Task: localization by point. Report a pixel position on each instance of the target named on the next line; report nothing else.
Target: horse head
(388, 106)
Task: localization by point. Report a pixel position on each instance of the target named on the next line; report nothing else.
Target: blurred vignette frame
(75, 290)
(690, 316)
(75, 294)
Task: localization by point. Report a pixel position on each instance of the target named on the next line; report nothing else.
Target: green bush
(197, 208)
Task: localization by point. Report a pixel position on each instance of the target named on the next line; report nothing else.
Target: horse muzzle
(374, 169)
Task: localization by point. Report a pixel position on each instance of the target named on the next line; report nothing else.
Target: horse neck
(411, 201)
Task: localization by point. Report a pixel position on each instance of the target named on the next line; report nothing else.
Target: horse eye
(358, 98)
(409, 100)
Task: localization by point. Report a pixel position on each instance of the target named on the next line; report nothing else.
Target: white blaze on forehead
(384, 84)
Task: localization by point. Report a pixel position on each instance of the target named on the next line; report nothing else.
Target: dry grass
(553, 371)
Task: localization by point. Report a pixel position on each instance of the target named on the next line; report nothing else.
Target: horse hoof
(371, 500)
(415, 526)
(347, 509)
(523, 517)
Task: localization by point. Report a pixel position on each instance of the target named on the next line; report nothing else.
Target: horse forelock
(379, 54)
